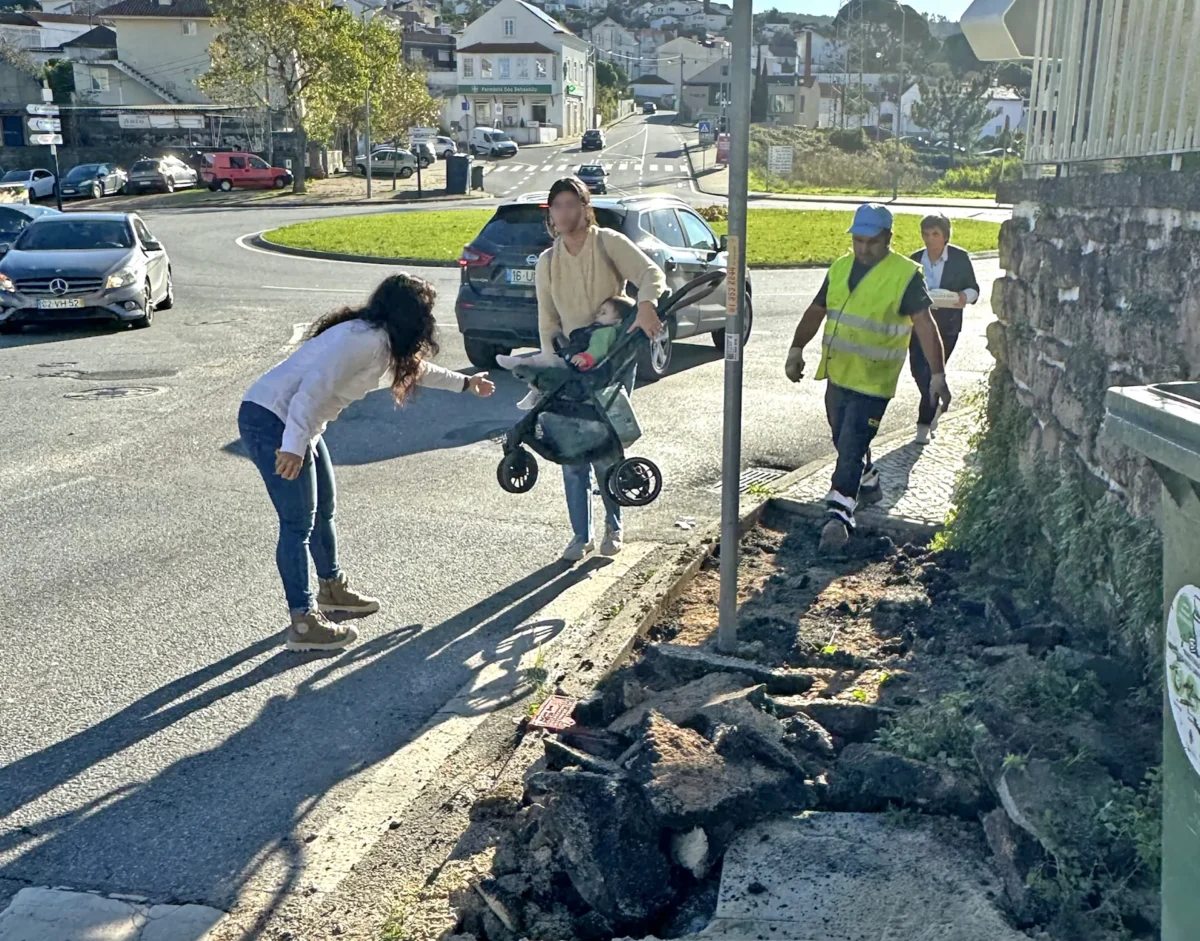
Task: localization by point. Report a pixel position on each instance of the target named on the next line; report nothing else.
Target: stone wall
(1102, 289)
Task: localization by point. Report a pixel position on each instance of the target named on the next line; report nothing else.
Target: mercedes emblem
(59, 286)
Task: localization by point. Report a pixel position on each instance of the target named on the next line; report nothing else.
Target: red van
(224, 171)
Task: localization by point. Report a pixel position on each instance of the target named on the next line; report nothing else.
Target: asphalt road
(154, 737)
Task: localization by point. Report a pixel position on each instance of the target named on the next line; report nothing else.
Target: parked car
(227, 171)
(38, 183)
(649, 107)
(593, 139)
(14, 217)
(490, 142)
(85, 266)
(496, 306)
(424, 153)
(595, 176)
(386, 162)
(93, 181)
(445, 147)
(161, 173)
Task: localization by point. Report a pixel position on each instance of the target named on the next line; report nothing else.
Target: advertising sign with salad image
(1183, 669)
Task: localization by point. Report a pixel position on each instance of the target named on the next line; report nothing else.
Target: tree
(310, 55)
(961, 57)
(953, 109)
(60, 73)
(611, 75)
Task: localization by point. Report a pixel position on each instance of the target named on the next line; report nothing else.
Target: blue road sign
(705, 127)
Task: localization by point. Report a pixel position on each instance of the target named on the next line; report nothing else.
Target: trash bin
(1162, 422)
(458, 173)
(477, 177)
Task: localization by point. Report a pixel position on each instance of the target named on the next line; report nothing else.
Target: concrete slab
(858, 877)
(58, 915)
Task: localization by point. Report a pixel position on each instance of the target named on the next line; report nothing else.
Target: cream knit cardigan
(571, 288)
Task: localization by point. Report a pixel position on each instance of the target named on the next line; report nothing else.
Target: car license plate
(60, 303)
(522, 276)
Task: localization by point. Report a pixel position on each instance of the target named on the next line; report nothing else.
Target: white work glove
(794, 367)
(939, 391)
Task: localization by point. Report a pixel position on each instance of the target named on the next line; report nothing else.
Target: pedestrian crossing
(612, 166)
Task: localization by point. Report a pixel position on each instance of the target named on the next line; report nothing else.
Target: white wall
(159, 48)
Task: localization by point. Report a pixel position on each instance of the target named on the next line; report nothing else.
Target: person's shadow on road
(206, 824)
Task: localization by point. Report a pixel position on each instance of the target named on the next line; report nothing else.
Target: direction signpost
(779, 163)
(47, 133)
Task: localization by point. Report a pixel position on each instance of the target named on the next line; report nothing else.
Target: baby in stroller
(582, 349)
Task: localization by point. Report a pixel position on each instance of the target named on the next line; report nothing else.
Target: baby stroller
(584, 417)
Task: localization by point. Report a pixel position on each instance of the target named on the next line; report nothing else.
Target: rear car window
(525, 226)
(144, 165)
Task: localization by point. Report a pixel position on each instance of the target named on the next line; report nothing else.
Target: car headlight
(122, 279)
(6, 284)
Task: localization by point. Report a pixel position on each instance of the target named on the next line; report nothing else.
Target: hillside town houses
(527, 68)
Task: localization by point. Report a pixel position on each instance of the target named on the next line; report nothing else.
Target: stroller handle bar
(691, 292)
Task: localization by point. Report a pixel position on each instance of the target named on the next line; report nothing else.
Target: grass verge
(776, 237)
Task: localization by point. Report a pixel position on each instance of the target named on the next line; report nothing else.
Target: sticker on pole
(1183, 669)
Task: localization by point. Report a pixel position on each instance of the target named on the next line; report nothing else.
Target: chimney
(807, 56)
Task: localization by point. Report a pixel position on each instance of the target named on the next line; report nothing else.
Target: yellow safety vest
(866, 337)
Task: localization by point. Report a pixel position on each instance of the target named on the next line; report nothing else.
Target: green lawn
(436, 236)
(761, 184)
(817, 236)
(775, 236)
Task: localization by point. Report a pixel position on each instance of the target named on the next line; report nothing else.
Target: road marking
(297, 334)
(624, 166)
(38, 494)
(280, 287)
(561, 168)
(654, 168)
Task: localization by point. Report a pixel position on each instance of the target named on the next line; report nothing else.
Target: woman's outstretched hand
(647, 320)
(481, 385)
(287, 465)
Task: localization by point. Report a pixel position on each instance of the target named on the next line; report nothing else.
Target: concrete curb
(914, 201)
(299, 204)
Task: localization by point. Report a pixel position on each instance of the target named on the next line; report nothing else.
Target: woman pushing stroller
(585, 266)
(347, 354)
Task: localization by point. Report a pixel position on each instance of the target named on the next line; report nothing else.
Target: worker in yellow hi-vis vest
(872, 301)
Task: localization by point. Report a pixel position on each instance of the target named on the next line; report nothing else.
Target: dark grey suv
(497, 303)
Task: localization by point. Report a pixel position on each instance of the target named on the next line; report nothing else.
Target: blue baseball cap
(870, 219)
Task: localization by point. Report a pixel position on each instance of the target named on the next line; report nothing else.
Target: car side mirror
(5, 248)
(152, 245)
(724, 244)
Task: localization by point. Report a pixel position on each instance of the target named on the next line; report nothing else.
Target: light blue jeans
(577, 482)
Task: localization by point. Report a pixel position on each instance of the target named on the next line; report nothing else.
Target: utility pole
(735, 312)
(367, 110)
(898, 129)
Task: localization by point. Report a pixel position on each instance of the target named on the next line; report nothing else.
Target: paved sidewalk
(918, 482)
(715, 182)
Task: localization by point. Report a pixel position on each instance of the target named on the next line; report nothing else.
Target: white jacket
(310, 388)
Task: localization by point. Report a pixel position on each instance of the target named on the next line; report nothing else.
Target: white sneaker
(530, 400)
(577, 549)
(612, 544)
(924, 434)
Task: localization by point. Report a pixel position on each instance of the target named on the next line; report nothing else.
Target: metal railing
(1114, 79)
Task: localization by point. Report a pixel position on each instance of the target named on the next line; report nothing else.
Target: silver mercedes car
(85, 266)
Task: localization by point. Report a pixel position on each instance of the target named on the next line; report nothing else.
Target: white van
(487, 141)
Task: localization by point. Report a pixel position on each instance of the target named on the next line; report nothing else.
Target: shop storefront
(523, 111)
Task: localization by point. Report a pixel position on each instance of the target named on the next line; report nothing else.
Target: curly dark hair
(569, 184)
(402, 306)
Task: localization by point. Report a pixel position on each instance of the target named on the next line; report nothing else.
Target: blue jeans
(305, 505)
(577, 483)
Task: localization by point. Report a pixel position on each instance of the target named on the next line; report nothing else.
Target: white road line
(654, 168)
(280, 287)
(624, 166)
(561, 168)
(38, 494)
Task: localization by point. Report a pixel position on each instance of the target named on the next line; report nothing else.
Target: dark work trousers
(854, 420)
(918, 365)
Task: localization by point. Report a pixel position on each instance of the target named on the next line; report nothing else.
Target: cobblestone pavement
(918, 482)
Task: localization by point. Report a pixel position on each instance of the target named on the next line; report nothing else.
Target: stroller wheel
(518, 471)
(636, 481)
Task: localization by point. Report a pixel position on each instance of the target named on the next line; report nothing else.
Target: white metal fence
(1114, 78)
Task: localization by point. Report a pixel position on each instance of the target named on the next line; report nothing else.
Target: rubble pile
(929, 700)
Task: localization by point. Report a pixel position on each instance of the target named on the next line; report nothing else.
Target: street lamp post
(898, 129)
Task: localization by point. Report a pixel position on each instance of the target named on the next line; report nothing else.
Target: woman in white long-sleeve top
(346, 354)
